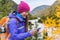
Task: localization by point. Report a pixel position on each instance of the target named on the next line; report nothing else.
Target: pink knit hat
(23, 7)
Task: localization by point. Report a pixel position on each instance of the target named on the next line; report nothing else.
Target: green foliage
(30, 17)
(45, 35)
(5, 7)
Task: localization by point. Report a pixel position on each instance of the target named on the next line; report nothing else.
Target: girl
(17, 23)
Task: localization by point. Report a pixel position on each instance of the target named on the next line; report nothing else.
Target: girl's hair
(26, 24)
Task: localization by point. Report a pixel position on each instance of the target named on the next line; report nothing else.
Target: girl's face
(24, 14)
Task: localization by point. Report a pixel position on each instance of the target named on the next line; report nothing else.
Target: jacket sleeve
(13, 30)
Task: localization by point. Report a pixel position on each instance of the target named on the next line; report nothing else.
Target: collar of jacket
(18, 16)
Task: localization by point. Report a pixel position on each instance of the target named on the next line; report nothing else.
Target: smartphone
(38, 29)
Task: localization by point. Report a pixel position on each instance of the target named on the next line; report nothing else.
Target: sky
(35, 3)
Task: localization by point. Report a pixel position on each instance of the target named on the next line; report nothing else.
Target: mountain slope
(38, 11)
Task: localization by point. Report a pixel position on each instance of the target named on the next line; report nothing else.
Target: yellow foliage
(58, 0)
(58, 20)
(57, 14)
(52, 23)
(58, 25)
(49, 22)
(56, 31)
(49, 38)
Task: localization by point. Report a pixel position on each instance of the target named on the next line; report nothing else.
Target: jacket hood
(12, 15)
(16, 15)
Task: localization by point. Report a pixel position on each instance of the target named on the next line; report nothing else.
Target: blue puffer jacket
(17, 29)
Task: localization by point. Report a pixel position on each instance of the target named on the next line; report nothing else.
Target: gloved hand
(33, 31)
